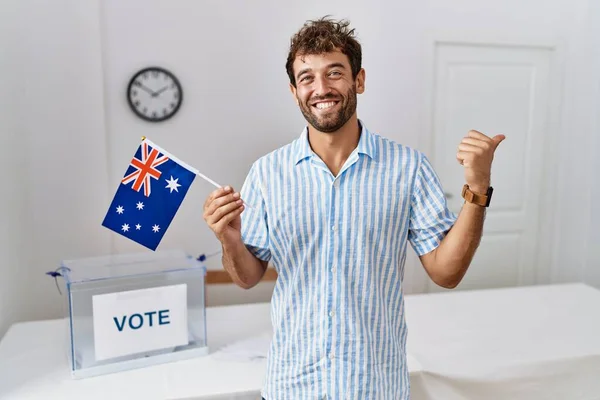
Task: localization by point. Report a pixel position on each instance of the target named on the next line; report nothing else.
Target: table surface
(459, 343)
(34, 364)
(537, 342)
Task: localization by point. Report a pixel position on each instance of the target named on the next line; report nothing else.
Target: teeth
(322, 106)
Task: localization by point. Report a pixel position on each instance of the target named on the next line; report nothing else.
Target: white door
(495, 89)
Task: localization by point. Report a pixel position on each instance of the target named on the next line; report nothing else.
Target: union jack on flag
(145, 168)
(144, 216)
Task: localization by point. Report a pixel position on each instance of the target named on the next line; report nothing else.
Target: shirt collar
(366, 144)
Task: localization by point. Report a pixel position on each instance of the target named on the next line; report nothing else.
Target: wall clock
(154, 94)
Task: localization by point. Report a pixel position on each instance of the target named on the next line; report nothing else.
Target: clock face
(154, 94)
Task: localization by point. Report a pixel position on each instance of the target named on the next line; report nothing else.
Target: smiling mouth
(325, 105)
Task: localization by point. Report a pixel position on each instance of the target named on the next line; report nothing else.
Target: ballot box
(130, 311)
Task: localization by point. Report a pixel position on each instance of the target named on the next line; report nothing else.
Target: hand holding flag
(222, 211)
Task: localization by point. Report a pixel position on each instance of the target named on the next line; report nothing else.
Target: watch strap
(480, 199)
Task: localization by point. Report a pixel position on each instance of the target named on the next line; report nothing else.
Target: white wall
(592, 266)
(55, 202)
(13, 219)
(576, 150)
(77, 134)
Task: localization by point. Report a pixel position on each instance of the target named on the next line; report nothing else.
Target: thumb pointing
(497, 139)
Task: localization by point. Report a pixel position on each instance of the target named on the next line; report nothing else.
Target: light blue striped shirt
(339, 246)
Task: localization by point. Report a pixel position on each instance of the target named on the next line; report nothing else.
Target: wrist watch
(482, 200)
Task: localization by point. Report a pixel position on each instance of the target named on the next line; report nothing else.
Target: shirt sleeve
(255, 230)
(430, 218)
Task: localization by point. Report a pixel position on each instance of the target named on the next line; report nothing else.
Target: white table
(34, 364)
(519, 343)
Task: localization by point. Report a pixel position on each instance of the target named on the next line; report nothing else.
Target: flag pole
(198, 173)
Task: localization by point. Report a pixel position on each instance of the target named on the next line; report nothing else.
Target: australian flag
(149, 195)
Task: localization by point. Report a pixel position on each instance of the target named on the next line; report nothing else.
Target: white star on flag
(140, 205)
(172, 184)
(120, 210)
(155, 228)
(125, 227)
(138, 227)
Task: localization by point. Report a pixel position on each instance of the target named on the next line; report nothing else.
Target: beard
(334, 120)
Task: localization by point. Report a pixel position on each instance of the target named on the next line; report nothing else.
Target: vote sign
(137, 321)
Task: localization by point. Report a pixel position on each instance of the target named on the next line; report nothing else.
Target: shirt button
(333, 228)
(331, 313)
(333, 269)
(331, 355)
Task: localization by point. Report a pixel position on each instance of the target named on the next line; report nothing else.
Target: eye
(305, 78)
(335, 73)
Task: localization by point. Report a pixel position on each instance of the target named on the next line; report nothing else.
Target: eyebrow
(332, 65)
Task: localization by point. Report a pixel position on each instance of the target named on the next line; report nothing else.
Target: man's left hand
(475, 153)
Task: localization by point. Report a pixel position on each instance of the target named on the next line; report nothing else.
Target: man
(333, 212)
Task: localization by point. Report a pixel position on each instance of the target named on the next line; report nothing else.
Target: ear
(293, 90)
(360, 81)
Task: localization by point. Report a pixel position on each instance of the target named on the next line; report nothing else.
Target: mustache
(326, 97)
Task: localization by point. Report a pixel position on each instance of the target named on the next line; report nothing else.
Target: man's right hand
(222, 210)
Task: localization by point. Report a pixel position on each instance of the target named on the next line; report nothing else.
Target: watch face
(154, 94)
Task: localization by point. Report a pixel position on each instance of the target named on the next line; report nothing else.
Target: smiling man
(333, 212)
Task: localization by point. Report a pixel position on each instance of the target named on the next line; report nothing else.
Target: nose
(321, 87)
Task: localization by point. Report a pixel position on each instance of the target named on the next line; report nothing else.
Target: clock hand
(155, 94)
(146, 89)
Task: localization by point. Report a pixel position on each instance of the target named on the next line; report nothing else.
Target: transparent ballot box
(133, 310)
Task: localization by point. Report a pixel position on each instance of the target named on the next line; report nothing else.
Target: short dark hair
(322, 36)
